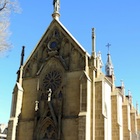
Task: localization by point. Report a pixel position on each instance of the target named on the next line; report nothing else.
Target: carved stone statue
(36, 105)
(56, 4)
(49, 94)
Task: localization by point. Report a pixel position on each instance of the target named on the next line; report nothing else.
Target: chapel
(61, 93)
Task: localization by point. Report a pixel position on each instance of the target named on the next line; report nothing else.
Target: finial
(108, 46)
(129, 93)
(93, 30)
(21, 63)
(56, 5)
(93, 42)
(123, 87)
(122, 83)
(22, 56)
(130, 96)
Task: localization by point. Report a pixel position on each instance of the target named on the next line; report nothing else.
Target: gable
(57, 42)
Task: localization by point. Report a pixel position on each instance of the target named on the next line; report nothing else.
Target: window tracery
(52, 80)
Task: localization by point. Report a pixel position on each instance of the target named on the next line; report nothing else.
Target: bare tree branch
(6, 7)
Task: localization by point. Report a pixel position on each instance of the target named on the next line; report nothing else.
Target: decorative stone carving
(56, 45)
(27, 71)
(48, 108)
(56, 33)
(64, 53)
(82, 62)
(48, 125)
(52, 80)
(65, 48)
(32, 67)
(75, 59)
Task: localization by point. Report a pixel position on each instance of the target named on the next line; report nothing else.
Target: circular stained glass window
(53, 45)
(52, 80)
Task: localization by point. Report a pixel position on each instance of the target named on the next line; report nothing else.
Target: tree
(6, 7)
(3, 5)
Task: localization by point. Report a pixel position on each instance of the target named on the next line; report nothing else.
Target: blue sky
(116, 22)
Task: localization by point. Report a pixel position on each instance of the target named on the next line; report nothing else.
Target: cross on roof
(108, 45)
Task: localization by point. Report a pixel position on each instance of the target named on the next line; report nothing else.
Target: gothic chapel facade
(62, 94)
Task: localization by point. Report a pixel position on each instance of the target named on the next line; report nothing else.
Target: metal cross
(108, 45)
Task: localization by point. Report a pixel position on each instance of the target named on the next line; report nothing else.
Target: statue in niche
(56, 4)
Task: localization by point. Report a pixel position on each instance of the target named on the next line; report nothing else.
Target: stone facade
(62, 94)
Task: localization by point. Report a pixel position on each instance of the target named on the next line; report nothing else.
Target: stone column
(138, 126)
(126, 121)
(133, 124)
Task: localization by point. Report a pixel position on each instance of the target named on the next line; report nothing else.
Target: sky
(115, 22)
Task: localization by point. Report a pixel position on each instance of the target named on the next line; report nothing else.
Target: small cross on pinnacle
(108, 46)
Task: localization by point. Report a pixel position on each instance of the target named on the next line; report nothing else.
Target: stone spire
(109, 69)
(22, 56)
(56, 5)
(21, 64)
(93, 41)
(93, 55)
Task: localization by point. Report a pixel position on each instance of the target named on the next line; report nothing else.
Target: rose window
(52, 80)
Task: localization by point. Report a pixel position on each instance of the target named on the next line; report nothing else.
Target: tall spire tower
(56, 5)
(109, 69)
